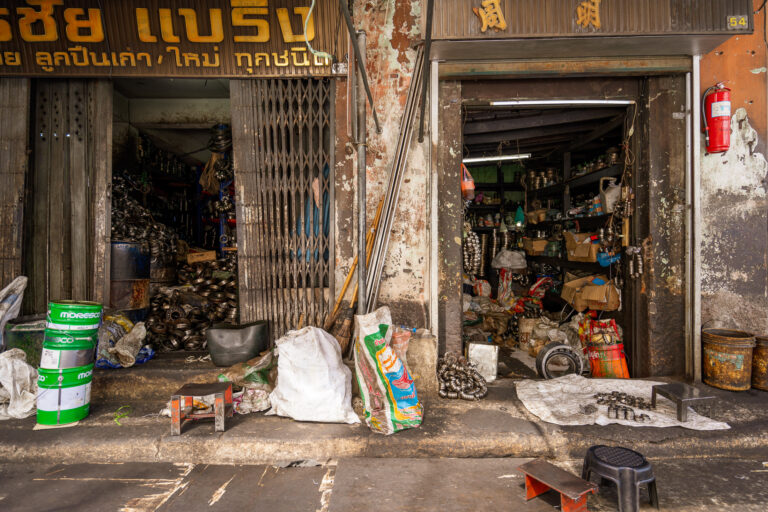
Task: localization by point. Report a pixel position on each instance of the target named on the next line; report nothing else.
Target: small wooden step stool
(541, 476)
(222, 405)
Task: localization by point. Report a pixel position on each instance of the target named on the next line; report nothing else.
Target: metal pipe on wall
(688, 230)
(696, 223)
(361, 179)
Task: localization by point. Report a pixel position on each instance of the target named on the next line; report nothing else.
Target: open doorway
(173, 196)
(547, 241)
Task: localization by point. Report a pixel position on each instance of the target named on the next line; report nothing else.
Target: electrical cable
(314, 52)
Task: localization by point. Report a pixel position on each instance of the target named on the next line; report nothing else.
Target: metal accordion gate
(283, 155)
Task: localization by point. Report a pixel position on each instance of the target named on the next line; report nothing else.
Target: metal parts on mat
(181, 318)
(623, 412)
(458, 378)
(620, 406)
(618, 398)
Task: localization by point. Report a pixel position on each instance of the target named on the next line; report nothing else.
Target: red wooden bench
(541, 476)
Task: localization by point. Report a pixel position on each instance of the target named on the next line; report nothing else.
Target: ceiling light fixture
(565, 103)
(497, 158)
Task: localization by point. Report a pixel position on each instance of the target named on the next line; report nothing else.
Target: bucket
(727, 359)
(68, 315)
(63, 396)
(129, 279)
(608, 361)
(26, 333)
(230, 344)
(760, 363)
(62, 349)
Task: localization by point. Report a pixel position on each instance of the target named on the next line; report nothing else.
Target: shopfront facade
(647, 54)
(493, 50)
(58, 61)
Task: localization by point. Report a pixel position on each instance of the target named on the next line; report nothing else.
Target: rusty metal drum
(760, 363)
(727, 358)
(130, 279)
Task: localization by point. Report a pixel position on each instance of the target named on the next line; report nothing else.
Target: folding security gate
(283, 155)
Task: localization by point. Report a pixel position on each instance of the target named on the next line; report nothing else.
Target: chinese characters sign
(491, 15)
(234, 38)
(588, 14)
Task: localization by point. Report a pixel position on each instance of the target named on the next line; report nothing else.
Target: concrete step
(497, 426)
(154, 380)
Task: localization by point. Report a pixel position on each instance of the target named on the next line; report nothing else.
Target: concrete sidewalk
(350, 485)
(498, 426)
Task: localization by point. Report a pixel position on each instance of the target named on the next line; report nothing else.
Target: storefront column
(449, 224)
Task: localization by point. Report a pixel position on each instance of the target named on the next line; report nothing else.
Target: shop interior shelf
(564, 263)
(584, 222)
(492, 187)
(594, 177)
(551, 191)
(477, 207)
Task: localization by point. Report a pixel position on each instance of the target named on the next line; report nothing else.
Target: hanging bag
(467, 184)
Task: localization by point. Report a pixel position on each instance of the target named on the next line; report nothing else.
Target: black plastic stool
(624, 467)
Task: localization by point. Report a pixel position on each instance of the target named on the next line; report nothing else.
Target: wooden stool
(222, 405)
(541, 476)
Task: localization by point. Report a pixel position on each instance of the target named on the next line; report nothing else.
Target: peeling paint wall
(391, 27)
(734, 281)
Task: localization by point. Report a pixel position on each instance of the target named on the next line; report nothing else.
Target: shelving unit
(564, 263)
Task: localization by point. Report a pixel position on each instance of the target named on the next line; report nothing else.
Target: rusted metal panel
(564, 67)
(195, 38)
(283, 173)
(455, 19)
(664, 277)
(582, 88)
(14, 133)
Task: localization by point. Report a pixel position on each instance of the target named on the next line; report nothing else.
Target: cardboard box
(583, 294)
(536, 216)
(486, 357)
(199, 257)
(579, 247)
(535, 246)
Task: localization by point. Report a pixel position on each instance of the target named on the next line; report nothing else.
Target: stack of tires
(66, 364)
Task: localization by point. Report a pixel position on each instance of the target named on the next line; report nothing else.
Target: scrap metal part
(459, 378)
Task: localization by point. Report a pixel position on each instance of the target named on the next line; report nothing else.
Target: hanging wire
(314, 52)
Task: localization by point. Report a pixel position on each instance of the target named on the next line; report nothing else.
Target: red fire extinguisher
(716, 114)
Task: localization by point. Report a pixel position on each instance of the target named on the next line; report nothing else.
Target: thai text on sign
(168, 37)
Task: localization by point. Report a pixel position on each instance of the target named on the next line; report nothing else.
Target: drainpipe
(362, 224)
(695, 247)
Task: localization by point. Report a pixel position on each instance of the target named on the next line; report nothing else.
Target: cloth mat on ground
(565, 401)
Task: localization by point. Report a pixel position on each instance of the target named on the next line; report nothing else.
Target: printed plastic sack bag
(313, 384)
(388, 393)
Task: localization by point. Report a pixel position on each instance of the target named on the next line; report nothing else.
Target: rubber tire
(557, 349)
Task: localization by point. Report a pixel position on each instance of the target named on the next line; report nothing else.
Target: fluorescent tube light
(536, 103)
(497, 158)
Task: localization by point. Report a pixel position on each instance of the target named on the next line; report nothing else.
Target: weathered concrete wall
(734, 281)
(390, 29)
